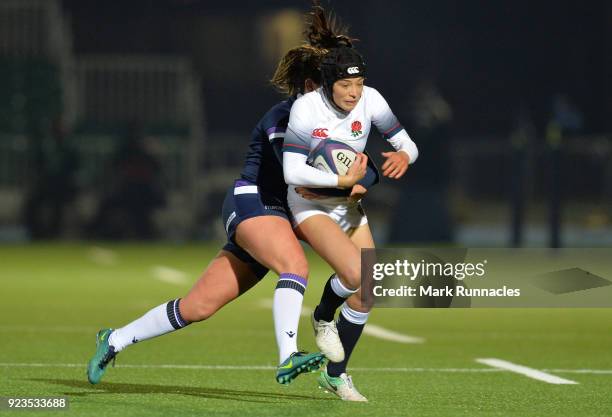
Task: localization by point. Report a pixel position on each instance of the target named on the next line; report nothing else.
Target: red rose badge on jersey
(356, 128)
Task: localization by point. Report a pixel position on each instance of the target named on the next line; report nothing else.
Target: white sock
(339, 289)
(162, 319)
(286, 309)
(354, 316)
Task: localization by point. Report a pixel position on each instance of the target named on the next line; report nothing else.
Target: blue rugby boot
(104, 354)
(298, 363)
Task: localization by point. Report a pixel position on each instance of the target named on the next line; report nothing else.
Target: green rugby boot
(104, 354)
(296, 364)
(342, 386)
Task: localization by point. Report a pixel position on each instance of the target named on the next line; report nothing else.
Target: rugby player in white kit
(342, 109)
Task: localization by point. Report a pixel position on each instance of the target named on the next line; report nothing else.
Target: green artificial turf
(56, 297)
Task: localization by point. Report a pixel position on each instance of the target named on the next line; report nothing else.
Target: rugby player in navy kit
(260, 236)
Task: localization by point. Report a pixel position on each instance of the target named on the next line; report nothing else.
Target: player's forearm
(402, 142)
(297, 172)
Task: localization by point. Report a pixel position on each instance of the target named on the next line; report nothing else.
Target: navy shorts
(243, 201)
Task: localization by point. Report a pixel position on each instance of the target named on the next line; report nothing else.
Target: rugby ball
(332, 156)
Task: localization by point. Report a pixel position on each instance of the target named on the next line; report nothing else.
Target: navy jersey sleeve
(263, 163)
(276, 136)
(372, 176)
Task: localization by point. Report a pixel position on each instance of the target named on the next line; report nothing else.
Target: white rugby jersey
(314, 119)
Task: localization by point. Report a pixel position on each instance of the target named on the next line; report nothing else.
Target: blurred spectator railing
(157, 93)
(31, 28)
(483, 167)
(96, 97)
(154, 92)
(150, 90)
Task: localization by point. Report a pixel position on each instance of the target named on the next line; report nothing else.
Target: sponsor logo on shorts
(278, 208)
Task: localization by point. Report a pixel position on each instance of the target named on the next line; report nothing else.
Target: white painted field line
(270, 367)
(13, 328)
(581, 371)
(433, 370)
(102, 256)
(160, 366)
(169, 275)
(524, 370)
(244, 367)
(369, 329)
(386, 334)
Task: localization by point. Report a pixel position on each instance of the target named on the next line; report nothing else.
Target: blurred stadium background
(128, 120)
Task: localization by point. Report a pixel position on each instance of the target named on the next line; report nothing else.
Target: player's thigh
(225, 279)
(271, 241)
(334, 246)
(362, 237)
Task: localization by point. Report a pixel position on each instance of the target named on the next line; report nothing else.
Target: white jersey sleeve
(296, 148)
(389, 127)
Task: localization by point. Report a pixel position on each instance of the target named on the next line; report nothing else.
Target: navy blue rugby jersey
(264, 160)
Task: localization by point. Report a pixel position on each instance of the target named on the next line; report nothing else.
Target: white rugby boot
(342, 386)
(327, 339)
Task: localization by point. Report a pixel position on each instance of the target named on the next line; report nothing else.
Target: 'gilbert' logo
(320, 133)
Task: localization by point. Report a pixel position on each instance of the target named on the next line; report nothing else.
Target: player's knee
(300, 267)
(351, 276)
(297, 265)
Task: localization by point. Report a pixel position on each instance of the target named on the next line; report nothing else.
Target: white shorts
(347, 215)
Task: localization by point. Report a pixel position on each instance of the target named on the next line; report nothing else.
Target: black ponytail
(324, 31)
